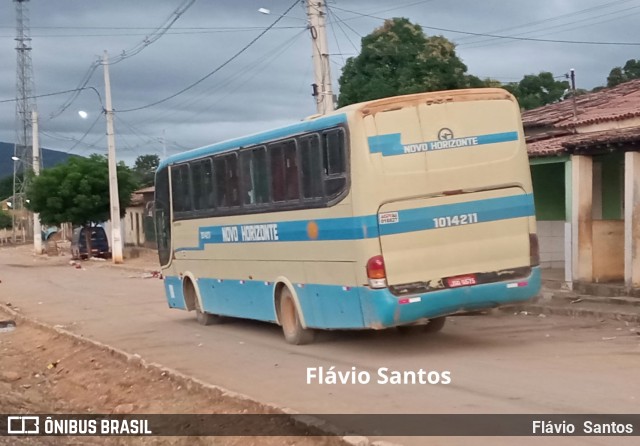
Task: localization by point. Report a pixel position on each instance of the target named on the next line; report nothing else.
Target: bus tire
(409, 330)
(204, 318)
(294, 332)
(435, 325)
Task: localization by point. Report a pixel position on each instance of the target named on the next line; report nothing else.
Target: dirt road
(502, 363)
(44, 372)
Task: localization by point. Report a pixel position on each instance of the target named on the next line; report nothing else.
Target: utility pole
(37, 228)
(573, 95)
(114, 197)
(322, 90)
(24, 105)
(164, 145)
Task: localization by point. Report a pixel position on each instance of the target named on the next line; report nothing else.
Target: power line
(486, 42)
(154, 36)
(170, 33)
(395, 8)
(572, 14)
(211, 73)
(333, 14)
(530, 39)
(242, 75)
(47, 94)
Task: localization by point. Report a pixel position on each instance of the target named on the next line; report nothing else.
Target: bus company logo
(444, 134)
(23, 425)
(388, 218)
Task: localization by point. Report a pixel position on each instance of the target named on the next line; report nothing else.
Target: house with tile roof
(585, 163)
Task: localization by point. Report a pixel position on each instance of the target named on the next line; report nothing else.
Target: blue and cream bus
(391, 213)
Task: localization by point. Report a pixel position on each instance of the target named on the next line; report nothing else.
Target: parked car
(99, 243)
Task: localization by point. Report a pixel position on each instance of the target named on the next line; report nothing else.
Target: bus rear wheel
(207, 318)
(433, 326)
(294, 332)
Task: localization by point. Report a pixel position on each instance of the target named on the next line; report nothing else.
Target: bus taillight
(375, 272)
(534, 250)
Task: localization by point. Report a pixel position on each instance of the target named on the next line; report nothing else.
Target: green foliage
(78, 191)
(145, 169)
(6, 221)
(536, 90)
(398, 58)
(618, 75)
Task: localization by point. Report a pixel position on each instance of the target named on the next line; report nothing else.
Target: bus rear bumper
(383, 309)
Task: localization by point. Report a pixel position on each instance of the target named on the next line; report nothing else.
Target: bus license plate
(467, 280)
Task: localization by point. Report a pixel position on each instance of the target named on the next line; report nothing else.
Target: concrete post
(37, 227)
(114, 197)
(321, 67)
(581, 219)
(632, 219)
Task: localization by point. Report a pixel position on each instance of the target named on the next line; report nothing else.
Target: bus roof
(338, 117)
(257, 138)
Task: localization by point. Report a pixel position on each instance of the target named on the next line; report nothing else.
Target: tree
(78, 192)
(6, 221)
(536, 90)
(145, 169)
(618, 75)
(398, 58)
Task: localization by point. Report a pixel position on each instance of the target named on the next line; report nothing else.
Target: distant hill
(49, 158)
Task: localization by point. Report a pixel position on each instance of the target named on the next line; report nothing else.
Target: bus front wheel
(294, 332)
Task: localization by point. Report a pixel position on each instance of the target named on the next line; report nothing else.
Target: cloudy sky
(269, 84)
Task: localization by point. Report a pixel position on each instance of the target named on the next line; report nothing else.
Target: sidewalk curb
(191, 383)
(569, 303)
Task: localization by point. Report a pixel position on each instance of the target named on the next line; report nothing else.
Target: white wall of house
(551, 238)
(133, 230)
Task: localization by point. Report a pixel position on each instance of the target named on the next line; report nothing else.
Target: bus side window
(233, 180)
(180, 190)
(276, 156)
(311, 166)
(201, 179)
(292, 182)
(334, 161)
(219, 169)
(255, 176)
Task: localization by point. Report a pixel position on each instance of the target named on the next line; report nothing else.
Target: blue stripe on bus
(490, 209)
(344, 307)
(258, 138)
(357, 228)
(391, 144)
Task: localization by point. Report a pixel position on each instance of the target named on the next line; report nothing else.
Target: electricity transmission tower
(25, 104)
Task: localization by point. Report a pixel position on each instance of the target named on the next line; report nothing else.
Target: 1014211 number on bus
(455, 220)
